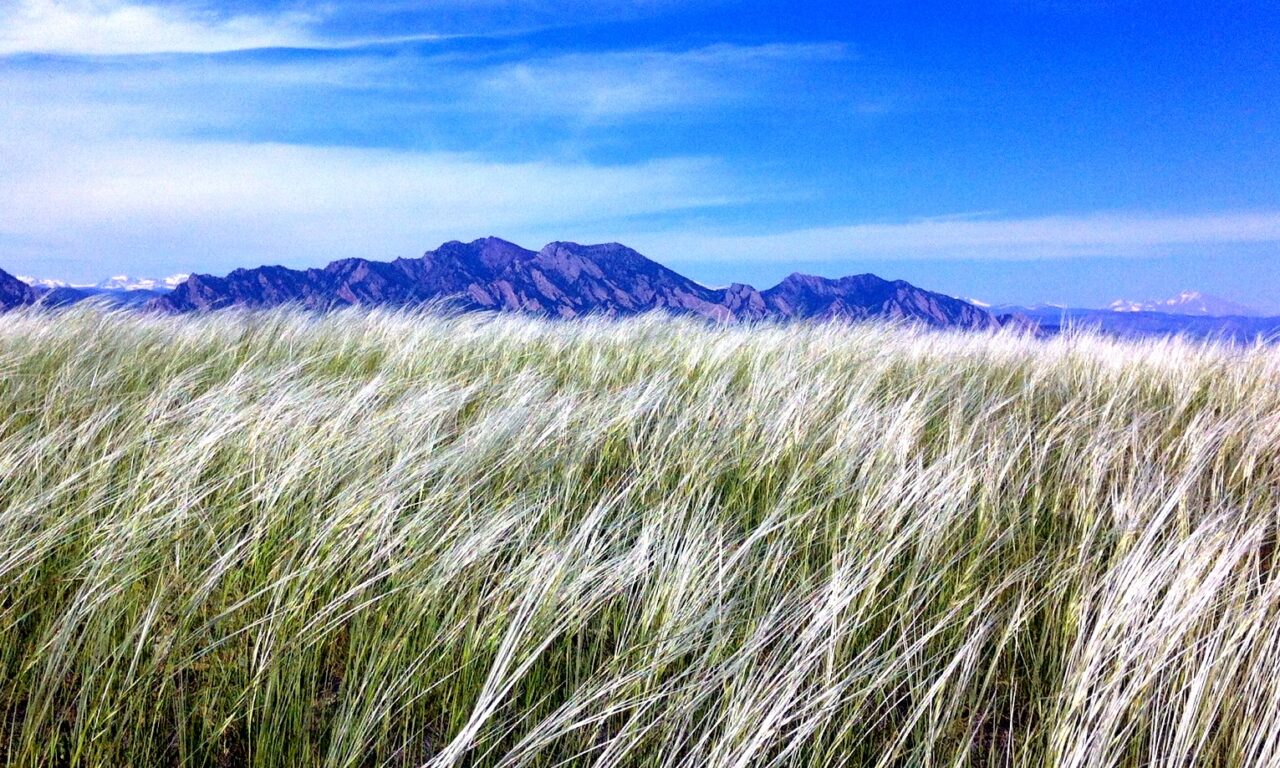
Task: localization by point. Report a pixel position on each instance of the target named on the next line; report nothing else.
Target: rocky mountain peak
(14, 292)
(565, 279)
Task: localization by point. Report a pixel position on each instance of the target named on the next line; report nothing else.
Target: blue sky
(1019, 151)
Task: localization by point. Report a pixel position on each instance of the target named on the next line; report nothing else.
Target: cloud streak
(123, 28)
(95, 27)
(623, 84)
(1103, 234)
(182, 205)
(115, 28)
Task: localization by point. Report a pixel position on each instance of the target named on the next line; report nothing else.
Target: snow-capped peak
(1122, 305)
(113, 283)
(42, 282)
(127, 283)
(1186, 303)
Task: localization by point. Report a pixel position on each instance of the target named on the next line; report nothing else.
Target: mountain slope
(14, 292)
(565, 280)
(863, 296)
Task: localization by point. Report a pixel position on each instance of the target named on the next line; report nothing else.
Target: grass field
(370, 539)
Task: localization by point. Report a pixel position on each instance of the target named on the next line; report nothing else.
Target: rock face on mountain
(14, 292)
(865, 296)
(565, 280)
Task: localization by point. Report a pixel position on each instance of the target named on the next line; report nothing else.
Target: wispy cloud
(105, 27)
(125, 27)
(211, 205)
(116, 28)
(505, 98)
(621, 84)
(1103, 234)
(166, 164)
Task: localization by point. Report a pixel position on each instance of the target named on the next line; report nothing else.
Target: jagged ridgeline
(566, 280)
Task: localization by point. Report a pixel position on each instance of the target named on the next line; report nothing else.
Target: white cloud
(1105, 234)
(108, 27)
(114, 27)
(619, 84)
(167, 205)
(122, 27)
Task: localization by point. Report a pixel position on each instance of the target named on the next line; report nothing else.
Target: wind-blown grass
(381, 539)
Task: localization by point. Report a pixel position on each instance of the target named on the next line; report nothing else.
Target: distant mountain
(127, 283)
(116, 291)
(14, 292)
(866, 296)
(114, 283)
(1145, 324)
(565, 280)
(43, 283)
(116, 298)
(1188, 303)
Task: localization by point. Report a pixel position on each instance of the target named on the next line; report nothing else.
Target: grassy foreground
(378, 539)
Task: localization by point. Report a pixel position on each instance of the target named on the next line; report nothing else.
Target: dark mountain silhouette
(14, 292)
(865, 296)
(565, 280)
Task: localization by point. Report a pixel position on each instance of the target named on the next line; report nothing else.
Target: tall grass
(366, 539)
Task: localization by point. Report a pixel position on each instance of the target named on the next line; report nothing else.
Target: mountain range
(565, 280)
(568, 280)
(1191, 313)
(1188, 303)
(1146, 324)
(113, 283)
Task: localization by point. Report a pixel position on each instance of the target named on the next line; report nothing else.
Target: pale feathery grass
(401, 539)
